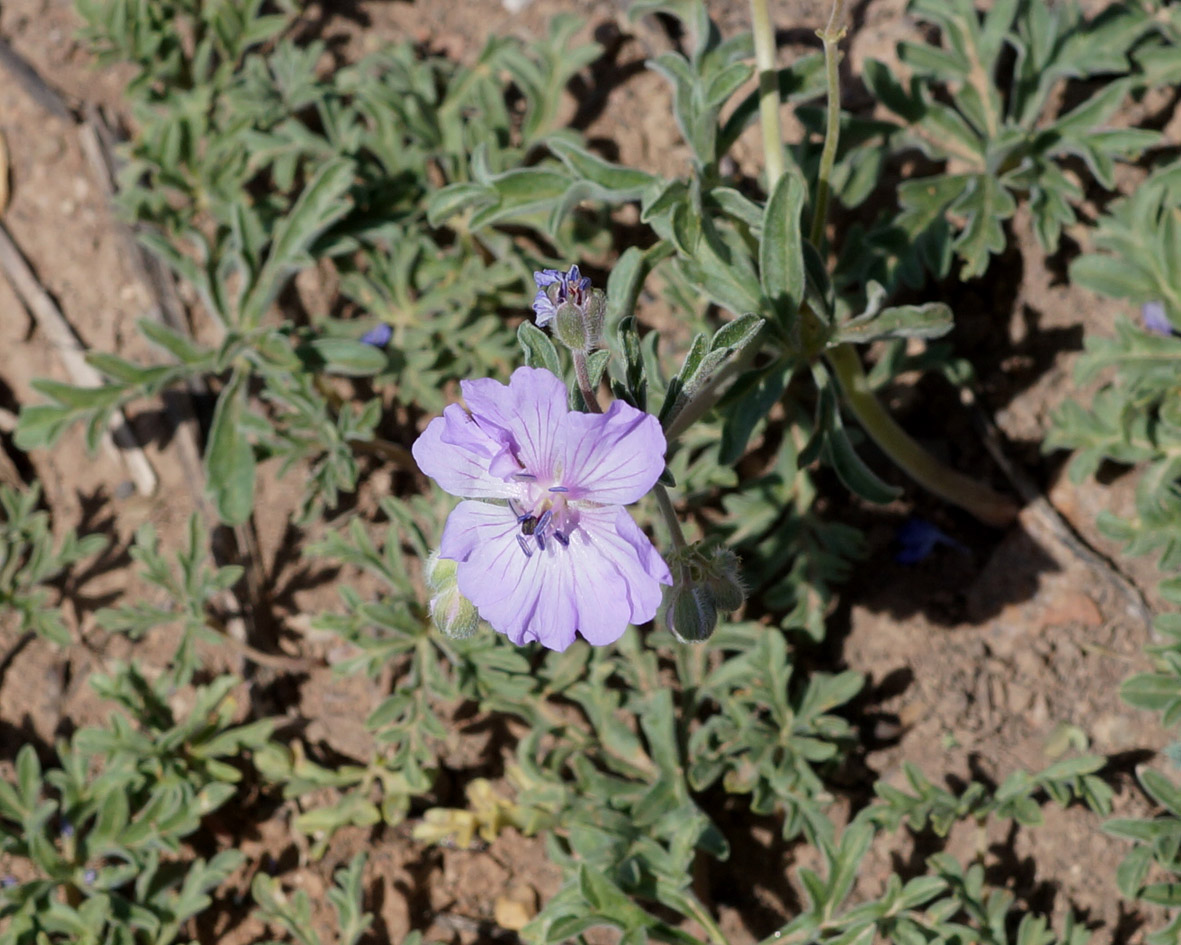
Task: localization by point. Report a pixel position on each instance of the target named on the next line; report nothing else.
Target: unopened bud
(452, 614)
(723, 577)
(692, 616)
(569, 327)
(594, 314)
(708, 583)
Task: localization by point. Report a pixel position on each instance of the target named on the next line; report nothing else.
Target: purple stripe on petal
(614, 458)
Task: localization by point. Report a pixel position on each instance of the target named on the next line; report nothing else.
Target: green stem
(705, 920)
(831, 36)
(670, 517)
(584, 382)
(711, 391)
(764, 37)
(988, 506)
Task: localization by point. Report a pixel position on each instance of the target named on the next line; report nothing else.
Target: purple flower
(917, 538)
(1155, 319)
(556, 553)
(379, 336)
(572, 287)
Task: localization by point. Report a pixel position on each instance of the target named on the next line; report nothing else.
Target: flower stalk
(951, 486)
(988, 506)
(831, 36)
(582, 373)
(764, 40)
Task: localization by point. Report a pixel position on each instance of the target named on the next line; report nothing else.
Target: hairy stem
(711, 391)
(584, 382)
(831, 36)
(764, 37)
(670, 517)
(990, 507)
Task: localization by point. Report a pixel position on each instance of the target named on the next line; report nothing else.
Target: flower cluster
(544, 547)
(574, 311)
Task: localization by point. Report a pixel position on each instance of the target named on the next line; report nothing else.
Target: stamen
(540, 540)
(524, 547)
(515, 509)
(562, 539)
(543, 522)
(524, 476)
(558, 489)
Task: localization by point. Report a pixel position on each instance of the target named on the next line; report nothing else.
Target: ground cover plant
(579, 465)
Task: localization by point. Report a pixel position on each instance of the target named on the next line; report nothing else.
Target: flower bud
(566, 301)
(569, 327)
(708, 583)
(724, 579)
(692, 616)
(452, 614)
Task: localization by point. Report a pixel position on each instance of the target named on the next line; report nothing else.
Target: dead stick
(72, 352)
(1052, 524)
(36, 87)
(98, 144)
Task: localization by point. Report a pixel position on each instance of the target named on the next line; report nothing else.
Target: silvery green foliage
(100, 835)
(1135, 419)
(29, 560)
(293, 912)
(347, 160)
(426, 194)
(181, 597)
(983, 100)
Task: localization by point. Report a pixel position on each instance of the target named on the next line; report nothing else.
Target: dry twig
(1049, 524)
(62, 338)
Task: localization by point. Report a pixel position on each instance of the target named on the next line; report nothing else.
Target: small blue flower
(378, 336)
(1155, 319)
(89, 877)
(917, 538)
(67, 830)
(572, 287)
(7, 882)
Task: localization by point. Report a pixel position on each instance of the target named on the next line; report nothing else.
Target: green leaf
(851, 468)
(748, 402)
(453, 199)
(229, 457)
(781, 253)
(345, 356)
(931, 320)
(538, 350)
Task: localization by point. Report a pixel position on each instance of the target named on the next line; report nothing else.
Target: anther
(524, 547)
(562, 539)
(558, 489)
(543, 522)
(524, 476)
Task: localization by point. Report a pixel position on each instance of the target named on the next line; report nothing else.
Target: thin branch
(36, 87)
(69, 347)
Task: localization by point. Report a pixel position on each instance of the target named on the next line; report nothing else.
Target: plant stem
(670, 517)
(764, 37)
(584, 382)
(711, 391)
(990, 507)
(831, 36)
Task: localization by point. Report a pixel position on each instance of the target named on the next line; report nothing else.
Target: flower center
(544, 517)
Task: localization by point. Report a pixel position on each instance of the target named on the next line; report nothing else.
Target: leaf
(931, 320)
(538, 350)
(450, 201)
(344, 356)
(851, 468)
(613, 182)
(322, 202)
(229, 457)
(781, 254)
(748, 402)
